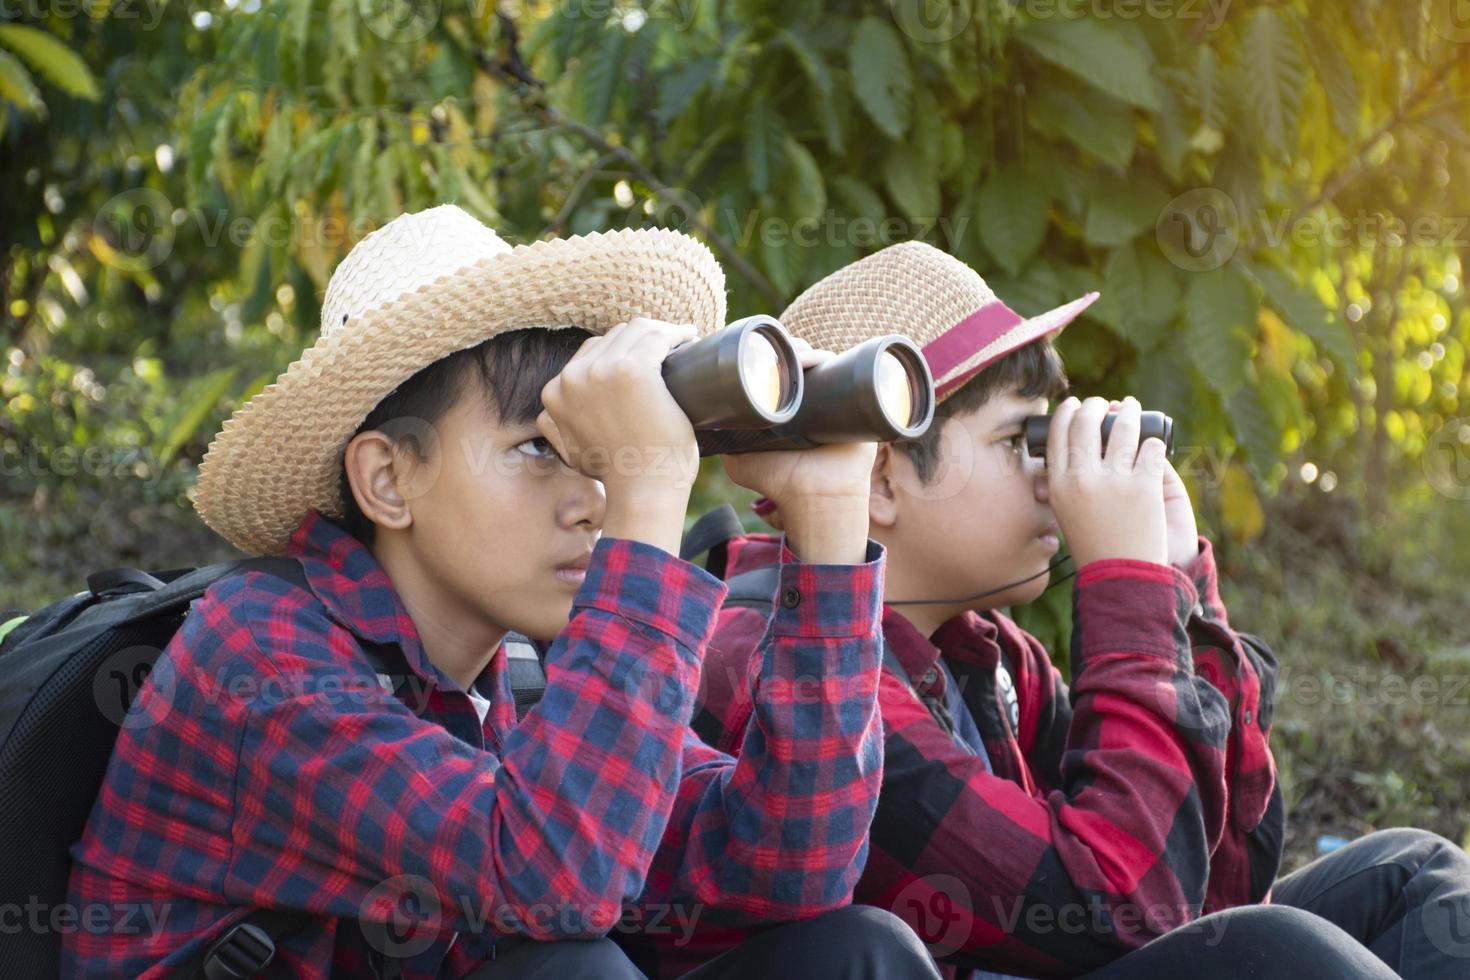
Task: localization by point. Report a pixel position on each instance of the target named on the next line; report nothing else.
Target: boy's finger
(546, 425)
(641, 327)
(811, 357)
(1122, 451)
(1056, 437)
(1085, 434)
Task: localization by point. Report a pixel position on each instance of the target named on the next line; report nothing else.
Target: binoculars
(745, 391)
(1151, 425)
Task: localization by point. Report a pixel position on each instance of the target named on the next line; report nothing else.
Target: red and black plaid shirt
(1104, 815)
(265, 763)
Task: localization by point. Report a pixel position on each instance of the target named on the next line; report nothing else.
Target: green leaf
(764, 139)
(805, 190)
(1222, 321)
(1305, 312)
(1087, 48)
(1102, 126)
(1210, 88)
(782, 259)
(681, 85)
(194, 406)
(880, 75)
(1119, 210)
(1171, 133)
(601, 76)
(1274, 79)
(52, 60)
(1335, 74)
(860, 199)
(1254, 427)
(1011, 214)
(912, 183)
(16, 86)
(1140, 295)
(808, 59)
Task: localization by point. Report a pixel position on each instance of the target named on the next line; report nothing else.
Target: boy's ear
(883, 489)
(372, 462)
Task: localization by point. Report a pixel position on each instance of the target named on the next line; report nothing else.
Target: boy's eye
(1017, 442)
(538, 447)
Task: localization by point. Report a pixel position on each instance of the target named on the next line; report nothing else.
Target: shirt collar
(355, 590)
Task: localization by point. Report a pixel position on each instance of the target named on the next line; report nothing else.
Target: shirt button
(931, 675)
(1247, 716)
(790, 597)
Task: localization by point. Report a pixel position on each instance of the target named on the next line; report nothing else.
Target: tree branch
(515, 73)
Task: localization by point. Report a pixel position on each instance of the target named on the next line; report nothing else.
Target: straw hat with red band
(931, 297)
(416, 290)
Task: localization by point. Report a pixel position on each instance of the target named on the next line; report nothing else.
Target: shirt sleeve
(780, 831)
(341, 794)
(1051, 882)
(1243, 668)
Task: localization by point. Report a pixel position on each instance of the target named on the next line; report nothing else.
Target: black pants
(1403, 894)
(855, 943)
(1262, 942)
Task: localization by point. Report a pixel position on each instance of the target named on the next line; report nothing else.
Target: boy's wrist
(827, 530)
(653, 514)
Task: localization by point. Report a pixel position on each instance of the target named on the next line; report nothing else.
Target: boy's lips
(574, 571)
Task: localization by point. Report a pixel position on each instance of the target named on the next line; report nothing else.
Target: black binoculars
(1151, 425)
(744, 391)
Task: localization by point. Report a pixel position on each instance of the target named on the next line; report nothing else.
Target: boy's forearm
(826, 530)
(810, 757)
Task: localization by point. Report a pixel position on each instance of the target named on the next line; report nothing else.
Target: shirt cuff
(1202, 572)
(831, 601)
(647, 585)
(1128, 606)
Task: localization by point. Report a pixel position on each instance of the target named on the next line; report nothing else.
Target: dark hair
(508, 371)
(1033, 371)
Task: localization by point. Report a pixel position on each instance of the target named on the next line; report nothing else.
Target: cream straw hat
(416, 290)
(934, 299)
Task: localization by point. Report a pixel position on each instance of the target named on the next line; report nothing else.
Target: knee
(1417, 848)
(595, 959)
(866, 936)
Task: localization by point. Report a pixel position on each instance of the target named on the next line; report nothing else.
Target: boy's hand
(821, 493)
(1109, 505)
(1179, 519)
(610, 416)
(1178, 513)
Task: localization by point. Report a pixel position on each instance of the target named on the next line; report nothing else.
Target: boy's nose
(583, 501)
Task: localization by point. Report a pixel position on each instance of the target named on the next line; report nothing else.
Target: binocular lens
(895, 390)
(761, 370)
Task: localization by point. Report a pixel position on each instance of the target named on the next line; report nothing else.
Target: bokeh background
(1273, 198)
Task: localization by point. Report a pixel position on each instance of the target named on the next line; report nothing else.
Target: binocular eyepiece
(744, 390)
(1151, 425)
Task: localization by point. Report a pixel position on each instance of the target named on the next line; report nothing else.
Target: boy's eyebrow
(1013, 422)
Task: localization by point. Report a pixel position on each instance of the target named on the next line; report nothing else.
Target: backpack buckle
(240, 953)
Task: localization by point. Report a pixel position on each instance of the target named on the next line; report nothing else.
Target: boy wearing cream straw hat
(1023, 827)
(348, 747)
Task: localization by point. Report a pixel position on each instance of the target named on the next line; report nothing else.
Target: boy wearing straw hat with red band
(405, 460)
(1024, 827)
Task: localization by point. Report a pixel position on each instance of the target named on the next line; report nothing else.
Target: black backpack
(70, 671)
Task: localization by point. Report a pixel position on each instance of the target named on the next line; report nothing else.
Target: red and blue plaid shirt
(1086, 821)
(266, 764)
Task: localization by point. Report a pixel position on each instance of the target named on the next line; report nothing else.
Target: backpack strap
(755, 589)
(527, 673)
(712, 533)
